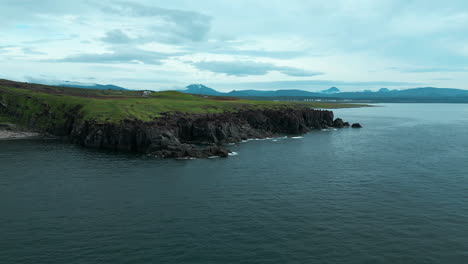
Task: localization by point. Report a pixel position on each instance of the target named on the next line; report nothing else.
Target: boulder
(7, 126)
(339, 123)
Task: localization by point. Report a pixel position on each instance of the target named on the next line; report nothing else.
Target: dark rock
(339, 123)
(177, 135)
(356, 125)
(216, 151)
(7, 126)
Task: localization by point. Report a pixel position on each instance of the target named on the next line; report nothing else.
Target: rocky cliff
(180, 135)
(170, 134)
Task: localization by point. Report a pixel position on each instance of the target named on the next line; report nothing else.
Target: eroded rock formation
(178, 135)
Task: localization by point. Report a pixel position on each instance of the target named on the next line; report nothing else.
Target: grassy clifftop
(45, 106)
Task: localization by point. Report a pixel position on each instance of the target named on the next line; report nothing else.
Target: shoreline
(10, 132)
(178, 135)
(14, 135)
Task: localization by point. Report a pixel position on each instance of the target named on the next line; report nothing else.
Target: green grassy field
(113, 106)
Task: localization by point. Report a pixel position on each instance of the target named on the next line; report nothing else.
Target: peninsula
(167, 124)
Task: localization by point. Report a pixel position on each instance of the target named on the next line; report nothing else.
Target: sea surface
(395, 191)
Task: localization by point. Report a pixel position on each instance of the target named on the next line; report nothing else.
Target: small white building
(146, 93)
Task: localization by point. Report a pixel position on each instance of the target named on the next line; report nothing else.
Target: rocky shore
(9, 131)
(166, 124)
(178, 135)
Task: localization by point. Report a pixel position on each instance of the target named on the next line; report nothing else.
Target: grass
(5, 119)
(33, 102)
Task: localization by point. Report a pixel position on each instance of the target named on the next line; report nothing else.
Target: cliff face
(182, 135)
(173, 135)
(39, 115)
(130, 121)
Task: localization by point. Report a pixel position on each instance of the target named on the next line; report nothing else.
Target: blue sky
(255, 44)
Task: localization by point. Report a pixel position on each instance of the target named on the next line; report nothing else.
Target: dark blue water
(395, 191)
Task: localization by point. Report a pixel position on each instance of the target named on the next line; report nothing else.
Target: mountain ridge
(91, 86)
(419, 94)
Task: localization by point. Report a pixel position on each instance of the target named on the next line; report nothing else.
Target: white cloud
(350, 41)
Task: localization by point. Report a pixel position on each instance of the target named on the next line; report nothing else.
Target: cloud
(47, 81)
(424, 39)
(284, 54)
(6, 47)
(121, 55)
(246, 68)
(19, 51)
(116, 37)
(442, 79)
(291, 71)
(431, 70)
(169, 25)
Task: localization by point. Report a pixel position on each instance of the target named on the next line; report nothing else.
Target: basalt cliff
(195, 126)
(177, 135)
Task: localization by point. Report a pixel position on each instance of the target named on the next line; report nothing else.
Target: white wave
(233, 154)
(297, 137)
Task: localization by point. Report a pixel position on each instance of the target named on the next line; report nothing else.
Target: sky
(237, 44)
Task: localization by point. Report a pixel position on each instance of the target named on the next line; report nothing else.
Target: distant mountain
(278, 93)
(384, 90)
(92, 86)
(200, 89)
(332, 90)
(422, 94)
(84, 85)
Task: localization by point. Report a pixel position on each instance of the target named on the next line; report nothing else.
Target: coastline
(177, 135)
(12, 135)
(10, 132)
(182, 135)
(166, 124)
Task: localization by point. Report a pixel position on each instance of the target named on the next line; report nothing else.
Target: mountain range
(422, 94)
(91, 86)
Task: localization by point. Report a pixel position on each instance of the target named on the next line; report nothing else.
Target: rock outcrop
(173, 135)
(339, 123)
(178, 135)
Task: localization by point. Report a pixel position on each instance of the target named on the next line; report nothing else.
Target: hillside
(50, 105)
(93, 86)
(163, 124)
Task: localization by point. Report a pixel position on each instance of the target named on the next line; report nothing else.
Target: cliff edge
(177, 135)
(164, 124)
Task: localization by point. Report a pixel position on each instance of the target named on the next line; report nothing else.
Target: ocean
(395, 191)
